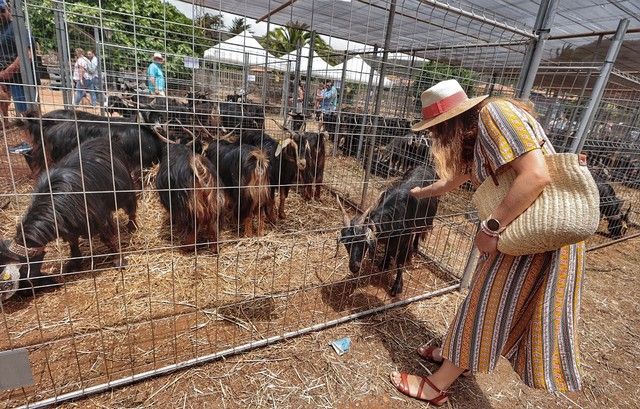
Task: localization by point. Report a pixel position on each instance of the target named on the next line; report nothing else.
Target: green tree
(433, 72)
(238, 25)
(212, 25)
(132, 31)
(294, 34)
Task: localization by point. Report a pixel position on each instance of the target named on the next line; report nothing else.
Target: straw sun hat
(443, 101)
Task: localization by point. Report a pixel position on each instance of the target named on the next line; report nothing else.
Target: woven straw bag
(566, 212)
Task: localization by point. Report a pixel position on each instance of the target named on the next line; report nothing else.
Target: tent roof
(318, 64)
(357, 71)
(236, 49)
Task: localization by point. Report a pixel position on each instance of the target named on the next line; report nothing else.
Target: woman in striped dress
(523, 308)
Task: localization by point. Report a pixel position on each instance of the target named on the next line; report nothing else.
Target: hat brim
(465, 106)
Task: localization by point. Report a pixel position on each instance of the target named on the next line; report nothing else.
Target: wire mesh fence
(225, 222)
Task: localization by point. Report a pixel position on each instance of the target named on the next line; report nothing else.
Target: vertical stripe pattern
(523, 308)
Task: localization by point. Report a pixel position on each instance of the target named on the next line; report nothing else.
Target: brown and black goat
(244, 170)
(286, 159)
(312, 176)
(75, 199)
(191, 192)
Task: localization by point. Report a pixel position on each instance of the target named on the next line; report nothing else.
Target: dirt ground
(305, 371)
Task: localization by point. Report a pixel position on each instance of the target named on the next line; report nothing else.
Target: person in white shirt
(92, 69)
(81, 76)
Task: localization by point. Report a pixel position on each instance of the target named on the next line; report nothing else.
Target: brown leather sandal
(404, 388)
(427, 354)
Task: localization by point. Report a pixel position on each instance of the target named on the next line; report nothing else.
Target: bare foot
(434, 355)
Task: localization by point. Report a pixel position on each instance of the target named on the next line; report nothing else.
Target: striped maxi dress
(524, 308)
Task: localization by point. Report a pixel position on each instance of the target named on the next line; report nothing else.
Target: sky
(260, 29)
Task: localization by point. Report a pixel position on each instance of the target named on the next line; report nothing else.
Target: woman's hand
(486, 244)
(417, 192)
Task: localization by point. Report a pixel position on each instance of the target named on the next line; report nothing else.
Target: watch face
(493, 224)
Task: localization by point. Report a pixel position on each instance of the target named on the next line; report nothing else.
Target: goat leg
(396, 288)
(283, 196)
(248, 226)
(109, 238)
(213, 236)
(75, 261)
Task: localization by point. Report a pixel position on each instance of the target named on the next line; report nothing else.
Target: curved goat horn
(284, 128)
(345, 216)
(162, 137)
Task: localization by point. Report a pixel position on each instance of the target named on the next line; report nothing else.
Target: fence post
(531, 62)
(305, 96)
(98, 40)
(64, 57)
(470, 266)
(366, 105)
(343, 84)
(23, 43)
(376, 110)
(598, 89)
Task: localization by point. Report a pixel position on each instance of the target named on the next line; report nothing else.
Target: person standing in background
(11, 81)
(155, 76)
(92, 69)
(81, 76)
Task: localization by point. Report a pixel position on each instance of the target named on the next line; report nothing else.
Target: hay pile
(167, 306)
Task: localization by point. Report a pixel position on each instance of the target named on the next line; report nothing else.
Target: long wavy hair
(454, 139)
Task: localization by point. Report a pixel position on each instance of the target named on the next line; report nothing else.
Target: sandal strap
(441, 394)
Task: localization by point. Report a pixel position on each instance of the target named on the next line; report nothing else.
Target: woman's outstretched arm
(439, 187)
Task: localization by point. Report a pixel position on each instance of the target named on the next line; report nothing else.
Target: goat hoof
(131, 226)
(120, 263)
(396, 289)
(282, 215)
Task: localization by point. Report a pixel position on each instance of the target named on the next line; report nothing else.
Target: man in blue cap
(9, 60)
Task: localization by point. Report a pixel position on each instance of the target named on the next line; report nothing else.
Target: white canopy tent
(357, 71)
(236, 49)
(318, 64)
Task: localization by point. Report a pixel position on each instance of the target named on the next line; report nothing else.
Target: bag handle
(487, 162)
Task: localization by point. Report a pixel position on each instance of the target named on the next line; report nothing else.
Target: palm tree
(238, 25)
(212, 25)
(294, 34)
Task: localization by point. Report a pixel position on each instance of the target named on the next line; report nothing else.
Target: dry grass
(168, 306)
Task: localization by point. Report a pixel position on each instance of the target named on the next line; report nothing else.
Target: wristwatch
(493, 225)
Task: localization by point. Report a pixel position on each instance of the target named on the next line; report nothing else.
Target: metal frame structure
(202, 307)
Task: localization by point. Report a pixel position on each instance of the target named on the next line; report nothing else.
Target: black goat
(286, 159)
(190, 191)
(397, 221)
(313, 175)
(63, 130)
(611, 209)
(77, 190)
(401, 154)
(244, 170)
